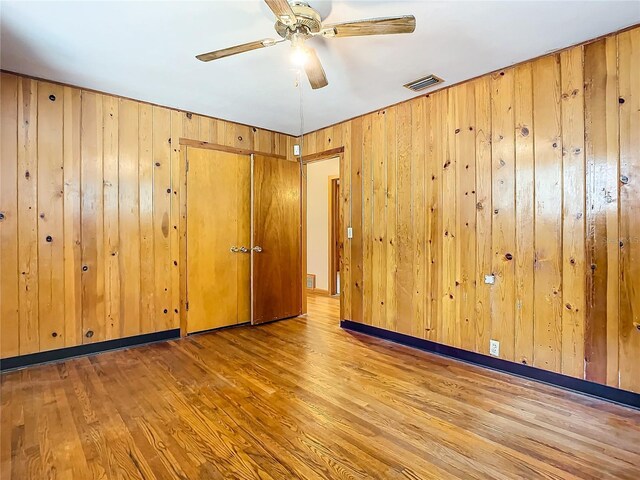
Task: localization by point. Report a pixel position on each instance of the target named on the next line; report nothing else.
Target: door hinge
(187, 306)
(187, 166)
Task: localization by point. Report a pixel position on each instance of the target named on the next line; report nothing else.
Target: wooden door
(218, 218)
(276, 279)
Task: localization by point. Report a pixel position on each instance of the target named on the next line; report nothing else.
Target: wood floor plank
(319, 402)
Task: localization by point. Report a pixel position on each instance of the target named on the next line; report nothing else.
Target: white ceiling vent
(423, 83)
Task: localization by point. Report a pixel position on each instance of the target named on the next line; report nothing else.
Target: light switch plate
(296, 150)
(349, 232)
(490, 279)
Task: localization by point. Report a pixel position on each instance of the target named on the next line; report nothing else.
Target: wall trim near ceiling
(513, 65)
(22, 361)
(55, 82)
(597, 390)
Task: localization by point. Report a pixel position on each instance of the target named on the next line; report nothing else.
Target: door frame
(334, 232)
(180, 235)
(306, 159)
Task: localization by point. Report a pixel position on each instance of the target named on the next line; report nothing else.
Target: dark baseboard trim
(603, 392)
(21, 361)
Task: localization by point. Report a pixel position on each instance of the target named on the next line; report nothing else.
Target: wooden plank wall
(89, 212)
(530, 174)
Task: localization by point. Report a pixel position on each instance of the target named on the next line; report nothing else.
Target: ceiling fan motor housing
(307, 20)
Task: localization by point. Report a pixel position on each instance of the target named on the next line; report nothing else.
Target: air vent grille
(423, 83)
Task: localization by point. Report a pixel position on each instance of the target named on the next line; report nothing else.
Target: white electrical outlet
(296, 150)
(349, 232)
(494, 348)
(490, 279)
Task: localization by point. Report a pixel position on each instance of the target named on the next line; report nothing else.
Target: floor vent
(311, 280)
(423, 83)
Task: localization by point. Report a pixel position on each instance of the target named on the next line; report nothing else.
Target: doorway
(322, 226)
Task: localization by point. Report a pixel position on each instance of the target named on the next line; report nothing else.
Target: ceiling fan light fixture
(299, 55)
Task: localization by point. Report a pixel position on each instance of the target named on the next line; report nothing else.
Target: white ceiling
(145, 50)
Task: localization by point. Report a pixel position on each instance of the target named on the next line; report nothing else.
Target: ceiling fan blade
(314, 70)
(372, 26)
(282, 10)
(245, 47)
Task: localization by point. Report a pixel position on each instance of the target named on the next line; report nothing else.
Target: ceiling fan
(297, 22)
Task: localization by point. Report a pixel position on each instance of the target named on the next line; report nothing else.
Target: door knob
(243, 249)
(257, 249)
(235, 249)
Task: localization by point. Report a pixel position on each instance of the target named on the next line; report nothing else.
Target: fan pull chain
(300, 87)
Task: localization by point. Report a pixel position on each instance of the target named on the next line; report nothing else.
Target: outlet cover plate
(349, 232)
(494, 348)
(490, 279)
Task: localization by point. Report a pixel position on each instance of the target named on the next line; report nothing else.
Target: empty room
(278, 239)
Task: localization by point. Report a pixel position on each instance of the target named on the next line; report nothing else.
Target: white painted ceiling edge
(146, 50)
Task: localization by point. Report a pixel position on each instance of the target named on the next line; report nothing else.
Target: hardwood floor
(301, 399)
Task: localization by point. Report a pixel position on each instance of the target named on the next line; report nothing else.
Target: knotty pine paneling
(27, 210)
(524, 204)
(111, 218)
(548, 159)
(162, 215)
(345, 212)
(404, 228)
(354, 256)
(50, 215)
(484, 216)
(503, 232)
(145, 201)
(9, 283)
(88, 196)
(129, 216)
(92, 218)
(602, 177)
(629, 109)
(465, 145)
(529, 174)
(72, 218)
(436, 159)
(418, 217)
(573, 214)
